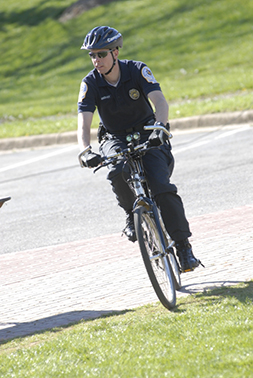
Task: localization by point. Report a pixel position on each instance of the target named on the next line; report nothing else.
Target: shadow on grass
(243, 292)
(52, 323)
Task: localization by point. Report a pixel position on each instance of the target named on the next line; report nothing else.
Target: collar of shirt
(125, 74)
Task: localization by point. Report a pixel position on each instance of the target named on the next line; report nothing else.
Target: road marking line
(198, 144)
(39, 158)
(194, 145)
(232, 132)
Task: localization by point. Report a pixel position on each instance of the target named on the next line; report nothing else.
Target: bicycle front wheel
(155, 260)
(175, 269)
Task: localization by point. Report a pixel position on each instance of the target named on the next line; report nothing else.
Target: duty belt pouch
(167, 126)
(101, 132)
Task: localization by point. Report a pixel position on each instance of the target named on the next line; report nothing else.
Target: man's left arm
(157, 137)
(161, 106)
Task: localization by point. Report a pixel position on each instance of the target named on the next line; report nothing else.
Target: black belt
(134, 129)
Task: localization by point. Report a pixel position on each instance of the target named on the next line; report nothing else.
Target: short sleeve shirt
(125, 105)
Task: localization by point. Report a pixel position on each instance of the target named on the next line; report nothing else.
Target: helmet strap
(113, 64)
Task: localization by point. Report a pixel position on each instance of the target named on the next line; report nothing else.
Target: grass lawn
(207, 335)
(200, 51)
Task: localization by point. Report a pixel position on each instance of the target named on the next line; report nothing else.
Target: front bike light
(136, 136)
(129, 138)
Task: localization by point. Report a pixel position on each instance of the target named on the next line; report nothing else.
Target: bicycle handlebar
(142, 146)
(157, 127)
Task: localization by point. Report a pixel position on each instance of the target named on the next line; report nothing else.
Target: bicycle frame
(143, 196)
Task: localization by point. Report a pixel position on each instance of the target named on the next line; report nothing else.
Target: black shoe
(129, 230)
(187, 260)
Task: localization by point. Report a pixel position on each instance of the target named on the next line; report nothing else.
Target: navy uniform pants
(158, 165)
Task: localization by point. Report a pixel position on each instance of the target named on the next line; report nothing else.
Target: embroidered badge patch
(83, 91)
(147, 74)
(134, 94)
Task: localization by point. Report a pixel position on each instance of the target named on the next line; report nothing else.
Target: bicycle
(155, 244)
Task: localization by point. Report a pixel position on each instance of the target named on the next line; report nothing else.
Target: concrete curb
(219, 119)
(38, 140)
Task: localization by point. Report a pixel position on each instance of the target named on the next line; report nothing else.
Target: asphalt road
(54, 201)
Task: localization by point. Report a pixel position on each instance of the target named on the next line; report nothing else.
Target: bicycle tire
(175, 270)
(159, 269)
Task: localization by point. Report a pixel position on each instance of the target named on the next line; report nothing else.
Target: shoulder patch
(147, 74)
(83, 91)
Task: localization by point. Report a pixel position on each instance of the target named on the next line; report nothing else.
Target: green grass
(38, 126)
(200, 51)
(207, 335)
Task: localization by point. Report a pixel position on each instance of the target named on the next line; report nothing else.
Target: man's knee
(122, 190)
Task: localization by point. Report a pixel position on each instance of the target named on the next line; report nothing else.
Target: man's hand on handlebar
(91, 159)
(157, 137)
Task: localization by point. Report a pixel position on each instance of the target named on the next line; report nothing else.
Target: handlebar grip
(81, 162)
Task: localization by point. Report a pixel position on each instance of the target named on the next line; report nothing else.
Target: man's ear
(116, 53)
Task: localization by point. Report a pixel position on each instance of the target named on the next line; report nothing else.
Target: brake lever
(103, 164)
(99, 167)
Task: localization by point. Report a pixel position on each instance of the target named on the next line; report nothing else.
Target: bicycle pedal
(192, 269)
(187, 270)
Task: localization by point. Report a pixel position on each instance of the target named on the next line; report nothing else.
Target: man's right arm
(83, 131)
(90, 159)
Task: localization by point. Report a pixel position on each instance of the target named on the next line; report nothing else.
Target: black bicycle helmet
(102, 37)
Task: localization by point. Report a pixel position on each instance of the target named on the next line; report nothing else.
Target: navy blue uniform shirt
(125, 105)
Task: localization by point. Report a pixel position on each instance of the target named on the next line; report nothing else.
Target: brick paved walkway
(57, 285)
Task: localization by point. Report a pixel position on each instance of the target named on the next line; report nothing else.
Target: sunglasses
(100, 54)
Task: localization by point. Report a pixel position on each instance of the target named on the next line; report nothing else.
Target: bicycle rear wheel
(155, 260)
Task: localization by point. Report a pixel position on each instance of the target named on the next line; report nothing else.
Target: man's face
(102, 59)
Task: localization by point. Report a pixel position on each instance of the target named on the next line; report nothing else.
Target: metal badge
(134, 94)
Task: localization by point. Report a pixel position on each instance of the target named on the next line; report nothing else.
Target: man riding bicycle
(121, 90)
